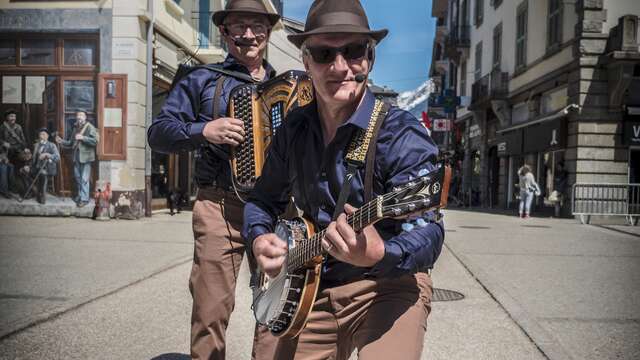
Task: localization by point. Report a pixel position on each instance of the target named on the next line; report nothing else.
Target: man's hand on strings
(363, 249)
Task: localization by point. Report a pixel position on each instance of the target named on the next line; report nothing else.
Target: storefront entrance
(494, 177)
(170, 173)
(634, 165)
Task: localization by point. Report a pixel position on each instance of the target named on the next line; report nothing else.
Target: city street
(534, 289)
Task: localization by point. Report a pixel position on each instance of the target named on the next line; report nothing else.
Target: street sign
(448, 101)
(436, 112)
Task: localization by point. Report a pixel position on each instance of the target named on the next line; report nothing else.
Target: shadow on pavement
(172, 356)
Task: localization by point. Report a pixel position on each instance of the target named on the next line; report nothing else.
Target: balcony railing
(492, 86)
(460, 36)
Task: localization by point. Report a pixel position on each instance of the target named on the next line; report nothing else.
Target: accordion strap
(358, 149)
(216, 96)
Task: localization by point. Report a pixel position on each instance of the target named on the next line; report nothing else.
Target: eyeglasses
(326, 54)
(257, 29)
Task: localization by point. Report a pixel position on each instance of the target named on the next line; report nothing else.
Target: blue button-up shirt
(187, 109)
(299, 163)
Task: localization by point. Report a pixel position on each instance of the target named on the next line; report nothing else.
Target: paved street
(118, 290)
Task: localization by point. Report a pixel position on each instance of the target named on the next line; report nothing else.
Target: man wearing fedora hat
(375, 290)
(194, 118)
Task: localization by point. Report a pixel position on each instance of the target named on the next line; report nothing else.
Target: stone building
(550, 82)
(60, 56)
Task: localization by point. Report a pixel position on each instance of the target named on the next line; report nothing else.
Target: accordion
(262, 108)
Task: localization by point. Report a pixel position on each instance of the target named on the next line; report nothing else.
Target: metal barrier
(606, 199)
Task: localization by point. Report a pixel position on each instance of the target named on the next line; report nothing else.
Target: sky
(404, 56)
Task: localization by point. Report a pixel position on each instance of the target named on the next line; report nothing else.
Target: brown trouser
(383, 319)
(217, 220)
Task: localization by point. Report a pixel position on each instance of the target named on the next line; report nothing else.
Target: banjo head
(275, 300)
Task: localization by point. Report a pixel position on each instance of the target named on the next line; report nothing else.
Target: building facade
(114, 59)
(545, 83)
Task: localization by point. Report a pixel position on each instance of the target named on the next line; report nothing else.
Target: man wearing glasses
(193, 118)
(375, 291)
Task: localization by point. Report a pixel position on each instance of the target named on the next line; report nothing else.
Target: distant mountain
(415, 101)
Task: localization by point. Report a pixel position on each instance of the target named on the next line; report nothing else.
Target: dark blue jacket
(404, 151)
(187, 109)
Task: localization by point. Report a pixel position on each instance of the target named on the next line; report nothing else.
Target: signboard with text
(631, 134)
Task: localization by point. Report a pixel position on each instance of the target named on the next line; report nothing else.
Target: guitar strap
(357, 153)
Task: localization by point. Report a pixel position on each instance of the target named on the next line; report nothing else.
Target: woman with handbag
(528, 189)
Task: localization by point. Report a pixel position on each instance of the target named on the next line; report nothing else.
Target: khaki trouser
(383, 319)
(217, 220)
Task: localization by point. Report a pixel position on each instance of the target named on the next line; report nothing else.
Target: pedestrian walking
(528, 189)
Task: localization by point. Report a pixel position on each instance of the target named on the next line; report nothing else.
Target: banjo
(283, 303)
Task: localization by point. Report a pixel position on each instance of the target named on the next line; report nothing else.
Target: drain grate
(475, 227)
(446, 295)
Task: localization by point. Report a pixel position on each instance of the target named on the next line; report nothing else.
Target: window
(204, 24)
(7, 52)
(497, 46)
(521, 35)
(478, 69)
(479, 12)
(464, 11)
(38, 52)
(78, 52)
(496, 3)
(463, 78)
(554, 26)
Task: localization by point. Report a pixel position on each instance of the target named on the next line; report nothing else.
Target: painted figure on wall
(83, 139)
(11, 135)
(44, 164)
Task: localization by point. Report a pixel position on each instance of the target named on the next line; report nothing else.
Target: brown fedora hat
(244, 6)
(336, 16)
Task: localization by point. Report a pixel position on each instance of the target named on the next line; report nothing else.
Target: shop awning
(558, 115)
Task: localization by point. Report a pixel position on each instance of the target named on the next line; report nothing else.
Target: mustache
(241, 42)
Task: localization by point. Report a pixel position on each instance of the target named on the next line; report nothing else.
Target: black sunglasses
(326, 55)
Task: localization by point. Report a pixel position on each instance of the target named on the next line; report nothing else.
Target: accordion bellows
(263, 108)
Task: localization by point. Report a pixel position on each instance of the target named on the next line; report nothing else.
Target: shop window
(7, 52)
(38, 52)
(79, 52)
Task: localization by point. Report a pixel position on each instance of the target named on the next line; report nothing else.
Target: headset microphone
(360, 78)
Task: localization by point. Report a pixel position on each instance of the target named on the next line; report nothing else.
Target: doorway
(634, 165)
(494, 177)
